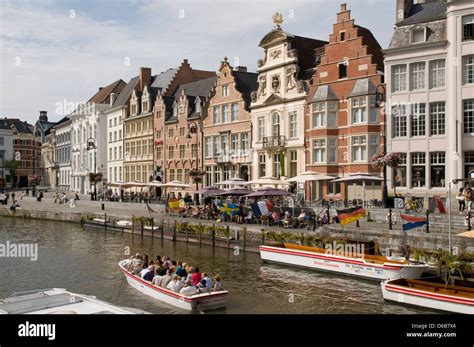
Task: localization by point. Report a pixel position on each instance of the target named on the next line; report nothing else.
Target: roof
(163, 80)
(63, 120)
(363, 86)
(126, 93)
(102, 96)
(21, 127)
(246, 83)
(429, 11)
(324, 93)
(436, 33)
(201, 88)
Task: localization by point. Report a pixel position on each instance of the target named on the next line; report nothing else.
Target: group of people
(173, 275)
(465, 198)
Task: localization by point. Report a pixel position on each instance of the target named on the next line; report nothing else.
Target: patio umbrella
(364, 177)
(268, 192)
(155, 184)
(235, 181)
(235, 192)
(175, 184)
(310, 176)
(269, 181)
(212, 191)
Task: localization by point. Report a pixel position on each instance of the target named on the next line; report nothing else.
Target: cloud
(53, 50)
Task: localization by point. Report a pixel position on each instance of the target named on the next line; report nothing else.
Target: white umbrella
(155, 184)
(268, 181)
(364, 177)
(236, 181)
(310, 176)
(175, 184)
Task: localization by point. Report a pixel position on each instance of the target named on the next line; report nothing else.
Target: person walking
(460, 199)
(468, 198)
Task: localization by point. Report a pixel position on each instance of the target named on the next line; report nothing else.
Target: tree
(12, 166)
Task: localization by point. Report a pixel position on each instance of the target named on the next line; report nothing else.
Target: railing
(274, 141)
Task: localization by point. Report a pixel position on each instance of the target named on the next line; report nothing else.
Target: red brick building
(343, 126)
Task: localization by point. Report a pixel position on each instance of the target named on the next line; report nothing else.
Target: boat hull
(339, 264)
(200, 302)
(410, 296)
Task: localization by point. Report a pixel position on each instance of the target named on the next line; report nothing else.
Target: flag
(350, 215)
(174, 204)
(439, 204)
(410, 222)
(230, 209)
(150, 210)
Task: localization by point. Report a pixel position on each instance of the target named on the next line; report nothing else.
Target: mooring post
(228, 237)
(263, 236)
(187, 234)
(213, 235)
(152, 226)
(200, 232)
(133, 224)
(105, 221)
(390, 224)
(162, 227)
(468, 220)
(428, 221)
(175, 230)
(141, 229)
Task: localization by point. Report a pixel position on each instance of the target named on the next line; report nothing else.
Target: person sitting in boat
(173, 266)
(179, 284)
(202, 286)
(217, 284)
(157, 278)
(136, 264)
(188, 289)
(146, 269)
(179, 269)
(196, 276)
(173, 282)
(145, 260)
(208, 280)
(166, 279)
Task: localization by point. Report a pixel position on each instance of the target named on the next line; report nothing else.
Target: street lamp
(91, 145)
(193, 129)
(380, 96)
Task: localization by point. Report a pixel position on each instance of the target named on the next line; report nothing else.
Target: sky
(57, 53)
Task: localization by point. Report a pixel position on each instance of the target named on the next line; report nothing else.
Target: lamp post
(380, 96)
(193, 129)
(91, 145)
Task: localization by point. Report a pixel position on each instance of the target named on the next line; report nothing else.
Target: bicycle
(413, 203)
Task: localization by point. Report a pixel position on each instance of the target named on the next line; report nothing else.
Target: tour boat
(198, 302)
(452, 298)
(59, 301)
(361, 265)
(124, 223)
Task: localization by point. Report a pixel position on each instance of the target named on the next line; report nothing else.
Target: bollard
(174, 230)
(200, 232)
(213, 235)
(141, 227)
(133, 224)
(428, 221)
(263, 236)
(357, 224)
(390, 223)
(469, 220)
(103, 206)
(152, 226)
(162, 229)
(228, 237)
(105, 221)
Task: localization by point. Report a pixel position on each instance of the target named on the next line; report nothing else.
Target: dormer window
(418, 35)
(342, 36)
(225, 90)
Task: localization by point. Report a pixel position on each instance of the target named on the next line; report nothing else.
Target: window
(400, 172)
(374, 110)
(359, 148)
(216, 147)
(332, 150)
(468, 67)
(342, 36)
(468, 27)
(115, 153)
(276, 165)
(208, 176)
(359, 110)
(276, 124)
(319, 115)
(261, 165)
(225, 90)
(399, 120)
(437, 169)
(234, 145)
(235, 112)
(399, 78)
(224, 144)
(225, 113)
(334, 188)
(182, 149)
(293, 125)
(437, 118)
(181, 131)
(418, 120)
(342, 70)
(319, 151)
(468, 164)
(244, 138)
(417, 76)
(170, 132)
(217, 115)
(194, 150)
(468, 106)
(332, 114)
(171, 175)
(418, 35)
(293, 163)
(159, 153)
(217, 175)
(373, 145)
(110, 153)
(418, 177)
(437, 73)
(207, 147)
(170, 152)
(261, 128)
(158, 134)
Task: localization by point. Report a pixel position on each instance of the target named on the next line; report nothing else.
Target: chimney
(241, 69)
(43, 116)
(403, 7)
(112, 99)
(145, 77)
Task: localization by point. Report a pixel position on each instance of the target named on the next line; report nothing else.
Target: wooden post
(141, 227)
(187, 235)
(357, 224)
(133, 224)
(105, 221)
(245, 236)
(390, 223)
(200, 232)
(152, 226)
(263, 237)
(175, 230)
(228, 237)
(213, 235)
(428, 221)
(162, 227)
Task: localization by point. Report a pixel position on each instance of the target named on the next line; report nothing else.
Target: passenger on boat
(173, 266)
(208, 280)
(202, 287)
(145, 260)
(179, 269)
(166, 279)
(196, 276)
(217, 284)
(188, 289)
(173, 282)
(179, 285)
(136, 265)
(157, 279)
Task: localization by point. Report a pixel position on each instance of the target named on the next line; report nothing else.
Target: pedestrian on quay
(27, 191)
(468, 198)
(460, 199)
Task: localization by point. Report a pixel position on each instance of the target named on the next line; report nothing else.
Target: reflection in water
(86, 262)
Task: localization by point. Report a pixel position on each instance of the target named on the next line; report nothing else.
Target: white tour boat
(198, 302)
(452, 298)
(59, 301)
(366, 266)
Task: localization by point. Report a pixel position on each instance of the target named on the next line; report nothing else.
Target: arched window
(276, 124)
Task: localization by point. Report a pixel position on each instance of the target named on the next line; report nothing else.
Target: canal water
(86, 262)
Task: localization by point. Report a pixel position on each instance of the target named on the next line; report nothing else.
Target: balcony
(274, 141)
(223, 158)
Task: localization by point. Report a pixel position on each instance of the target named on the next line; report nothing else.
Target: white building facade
(63, 154)
(6, 147)
(114, 122)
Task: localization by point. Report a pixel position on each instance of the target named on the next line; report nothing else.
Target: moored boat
(361, 265)
(451, 298)
(198, 302)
